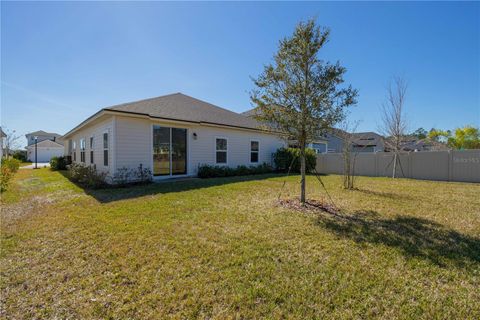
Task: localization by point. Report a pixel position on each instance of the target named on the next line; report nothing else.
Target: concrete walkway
(39, 165)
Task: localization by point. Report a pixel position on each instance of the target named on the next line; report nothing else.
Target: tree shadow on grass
(389, 195)
(111, 194)
(414, 237)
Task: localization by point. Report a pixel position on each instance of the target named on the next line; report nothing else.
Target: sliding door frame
(187, 150)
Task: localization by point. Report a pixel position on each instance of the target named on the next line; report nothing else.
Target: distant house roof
(181, 107)
(367, 139)
(46, 144)
(43, 133)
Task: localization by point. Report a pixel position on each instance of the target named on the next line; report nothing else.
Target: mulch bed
(311, 206)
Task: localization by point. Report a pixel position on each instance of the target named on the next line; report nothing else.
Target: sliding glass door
(179, 151)
(169, 151)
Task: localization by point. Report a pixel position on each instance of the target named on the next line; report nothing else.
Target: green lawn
(224, 249)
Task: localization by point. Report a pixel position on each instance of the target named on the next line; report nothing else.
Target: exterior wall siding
(134, 144)
(131, 144)
(96, 131)
(202, 150)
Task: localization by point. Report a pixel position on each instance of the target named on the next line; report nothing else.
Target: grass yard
(224, 249)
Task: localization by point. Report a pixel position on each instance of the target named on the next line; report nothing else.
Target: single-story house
(46, 150)
(49, 145)
(172, 135)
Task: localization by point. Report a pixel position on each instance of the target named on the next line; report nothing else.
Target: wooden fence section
(455, 165)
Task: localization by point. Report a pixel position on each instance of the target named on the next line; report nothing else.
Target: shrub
(8, 168)
(20, 155)
(284, 157)
(122, 176)
(208, 171)
(11, 164)
(58, 163)
(5, 176)
(143, 175)
(125, 176)
(87, 176)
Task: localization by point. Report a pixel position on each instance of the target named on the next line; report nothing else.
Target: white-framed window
(74, 150)
(221, 149)
(254, 149)
(319, 147)
(91, 149)
(82, 149)
(105, 148)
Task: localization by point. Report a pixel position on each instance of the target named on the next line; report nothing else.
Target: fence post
(409, 161)
(450, 165)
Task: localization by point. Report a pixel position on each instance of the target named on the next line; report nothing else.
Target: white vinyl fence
(455, 165)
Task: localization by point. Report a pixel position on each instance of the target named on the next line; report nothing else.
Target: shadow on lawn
(115, 194)
(389, 195)
(414, 237)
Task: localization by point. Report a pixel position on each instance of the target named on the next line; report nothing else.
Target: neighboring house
(333, 141)
(46, 150)
(172, 135)
(320, 145)
(413, 144)
(49, 145)
(3, 135)
(368, 142)
(41, 136)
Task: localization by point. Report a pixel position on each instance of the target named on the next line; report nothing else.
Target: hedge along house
(171, 135)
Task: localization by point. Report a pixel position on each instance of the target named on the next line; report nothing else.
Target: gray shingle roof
(367, 138)
(181, 107)
(43, 133)
(47, 144)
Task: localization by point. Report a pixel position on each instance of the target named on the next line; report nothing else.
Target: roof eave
(106, 111)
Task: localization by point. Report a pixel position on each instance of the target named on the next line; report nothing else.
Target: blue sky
(61, 62)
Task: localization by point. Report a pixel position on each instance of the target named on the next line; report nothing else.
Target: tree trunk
(394, 164)
(302, 171)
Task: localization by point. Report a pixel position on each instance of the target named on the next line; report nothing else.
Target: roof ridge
(142, 100)
(210, 104)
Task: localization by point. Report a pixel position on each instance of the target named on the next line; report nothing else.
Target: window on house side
(105, 149)
(221, 146)
(254, 148)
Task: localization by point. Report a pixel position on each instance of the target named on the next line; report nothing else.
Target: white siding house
(48, 145)
(171, 135)
(45, 150)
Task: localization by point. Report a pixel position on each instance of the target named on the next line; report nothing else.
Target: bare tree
(12, 142)
(349, 156)
(394, 122)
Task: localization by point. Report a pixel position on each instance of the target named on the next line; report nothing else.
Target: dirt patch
(311, 206)
(9, 214)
